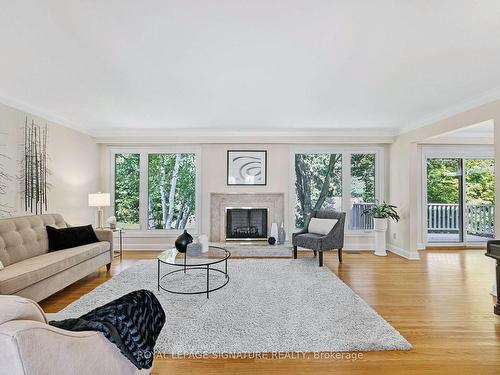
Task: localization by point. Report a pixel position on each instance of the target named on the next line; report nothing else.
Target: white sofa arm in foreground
(31, 346)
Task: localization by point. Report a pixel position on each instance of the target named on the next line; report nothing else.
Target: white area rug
(269, 305)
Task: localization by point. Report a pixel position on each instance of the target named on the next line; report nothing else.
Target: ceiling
(147, 67)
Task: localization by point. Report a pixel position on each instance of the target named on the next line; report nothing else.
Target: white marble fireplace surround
(274, 202)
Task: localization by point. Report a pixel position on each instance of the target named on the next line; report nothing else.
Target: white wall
(214, 174)
(73, 160)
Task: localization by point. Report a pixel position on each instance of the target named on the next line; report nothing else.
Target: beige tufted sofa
(31, 271)
(29, 346)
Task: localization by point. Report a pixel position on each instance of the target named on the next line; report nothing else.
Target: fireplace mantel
(274, 202)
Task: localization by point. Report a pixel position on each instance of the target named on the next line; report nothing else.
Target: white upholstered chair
(28, 345)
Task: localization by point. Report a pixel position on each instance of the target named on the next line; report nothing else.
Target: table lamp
(99, 200)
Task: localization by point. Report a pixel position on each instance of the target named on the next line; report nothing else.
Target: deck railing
(358, 220)
(445, 218)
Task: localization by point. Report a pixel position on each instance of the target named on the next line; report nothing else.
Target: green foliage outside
(363, 177)
(127, 190)
(172, 196)
(443, 182)
(319, 182)
(480, 181)
(171, 190)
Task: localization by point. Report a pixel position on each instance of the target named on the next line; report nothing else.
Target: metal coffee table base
(186, 268)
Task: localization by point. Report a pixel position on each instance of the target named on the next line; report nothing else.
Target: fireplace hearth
(246, 223)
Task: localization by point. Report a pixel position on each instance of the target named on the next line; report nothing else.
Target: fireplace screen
(246, 223)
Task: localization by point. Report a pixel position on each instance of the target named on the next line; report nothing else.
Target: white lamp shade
(99, 200)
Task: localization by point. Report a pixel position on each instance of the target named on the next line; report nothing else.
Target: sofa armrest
(13, 307)
(43, 350)
(105, 235)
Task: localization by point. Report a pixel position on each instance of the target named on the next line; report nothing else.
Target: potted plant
(380, 213)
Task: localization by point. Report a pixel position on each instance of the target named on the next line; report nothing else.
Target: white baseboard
(145, 247)
(359, 247)
(421, 246)
(165, 246)
(403, 252)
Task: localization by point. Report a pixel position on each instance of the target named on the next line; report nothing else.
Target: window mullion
(346, 187)
(143, 188)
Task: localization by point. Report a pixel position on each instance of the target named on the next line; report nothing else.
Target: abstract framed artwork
(247, 167)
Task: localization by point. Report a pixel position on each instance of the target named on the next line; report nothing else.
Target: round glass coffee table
(213, 262)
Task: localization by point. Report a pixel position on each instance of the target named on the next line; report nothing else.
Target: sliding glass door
(479, 199)
(444, 200)
(460, 200)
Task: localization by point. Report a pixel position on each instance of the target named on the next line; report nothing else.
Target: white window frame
(346, 152)
(143, 184)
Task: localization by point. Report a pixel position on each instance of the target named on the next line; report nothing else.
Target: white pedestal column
(380, 228)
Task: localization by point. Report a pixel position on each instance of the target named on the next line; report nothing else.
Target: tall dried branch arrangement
(34, 165)
(5, 178)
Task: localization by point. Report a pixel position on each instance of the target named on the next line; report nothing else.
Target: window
(340, 180)
(171, 194)
(156, 189)
(318, 184)
(127, 190)
(362, 189)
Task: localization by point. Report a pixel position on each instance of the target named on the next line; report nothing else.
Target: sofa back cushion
(26, 237)
(65, 238)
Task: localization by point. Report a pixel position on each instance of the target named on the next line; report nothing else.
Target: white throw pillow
(321, 226)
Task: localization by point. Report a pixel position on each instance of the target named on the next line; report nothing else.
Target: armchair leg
(294, 252)
(315, 252)
(321, 259)
(340, 255)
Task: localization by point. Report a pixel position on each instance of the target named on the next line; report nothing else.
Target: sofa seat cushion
(20, 275)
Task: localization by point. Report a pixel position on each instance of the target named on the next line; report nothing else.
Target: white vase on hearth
(274, 231)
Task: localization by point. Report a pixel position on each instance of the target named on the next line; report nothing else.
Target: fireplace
(246, 223)
(221, 202)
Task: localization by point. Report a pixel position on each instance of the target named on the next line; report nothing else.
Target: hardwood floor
(440, 304)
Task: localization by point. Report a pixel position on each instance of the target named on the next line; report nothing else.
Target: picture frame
(246, 167)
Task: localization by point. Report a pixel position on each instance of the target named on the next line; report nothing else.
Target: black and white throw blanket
(132, 322)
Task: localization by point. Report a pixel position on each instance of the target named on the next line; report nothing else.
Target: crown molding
(38, 112)
(295, 135)
(243, 140)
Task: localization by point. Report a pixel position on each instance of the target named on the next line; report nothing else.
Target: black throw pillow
(65, 238)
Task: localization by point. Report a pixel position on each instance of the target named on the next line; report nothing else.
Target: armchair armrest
(302, 231)
(335, 238)
(43, 349)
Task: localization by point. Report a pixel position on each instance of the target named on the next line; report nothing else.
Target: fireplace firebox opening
(246, 223)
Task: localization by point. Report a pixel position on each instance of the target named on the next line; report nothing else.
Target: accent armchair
(317, 242)
(28, 345)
